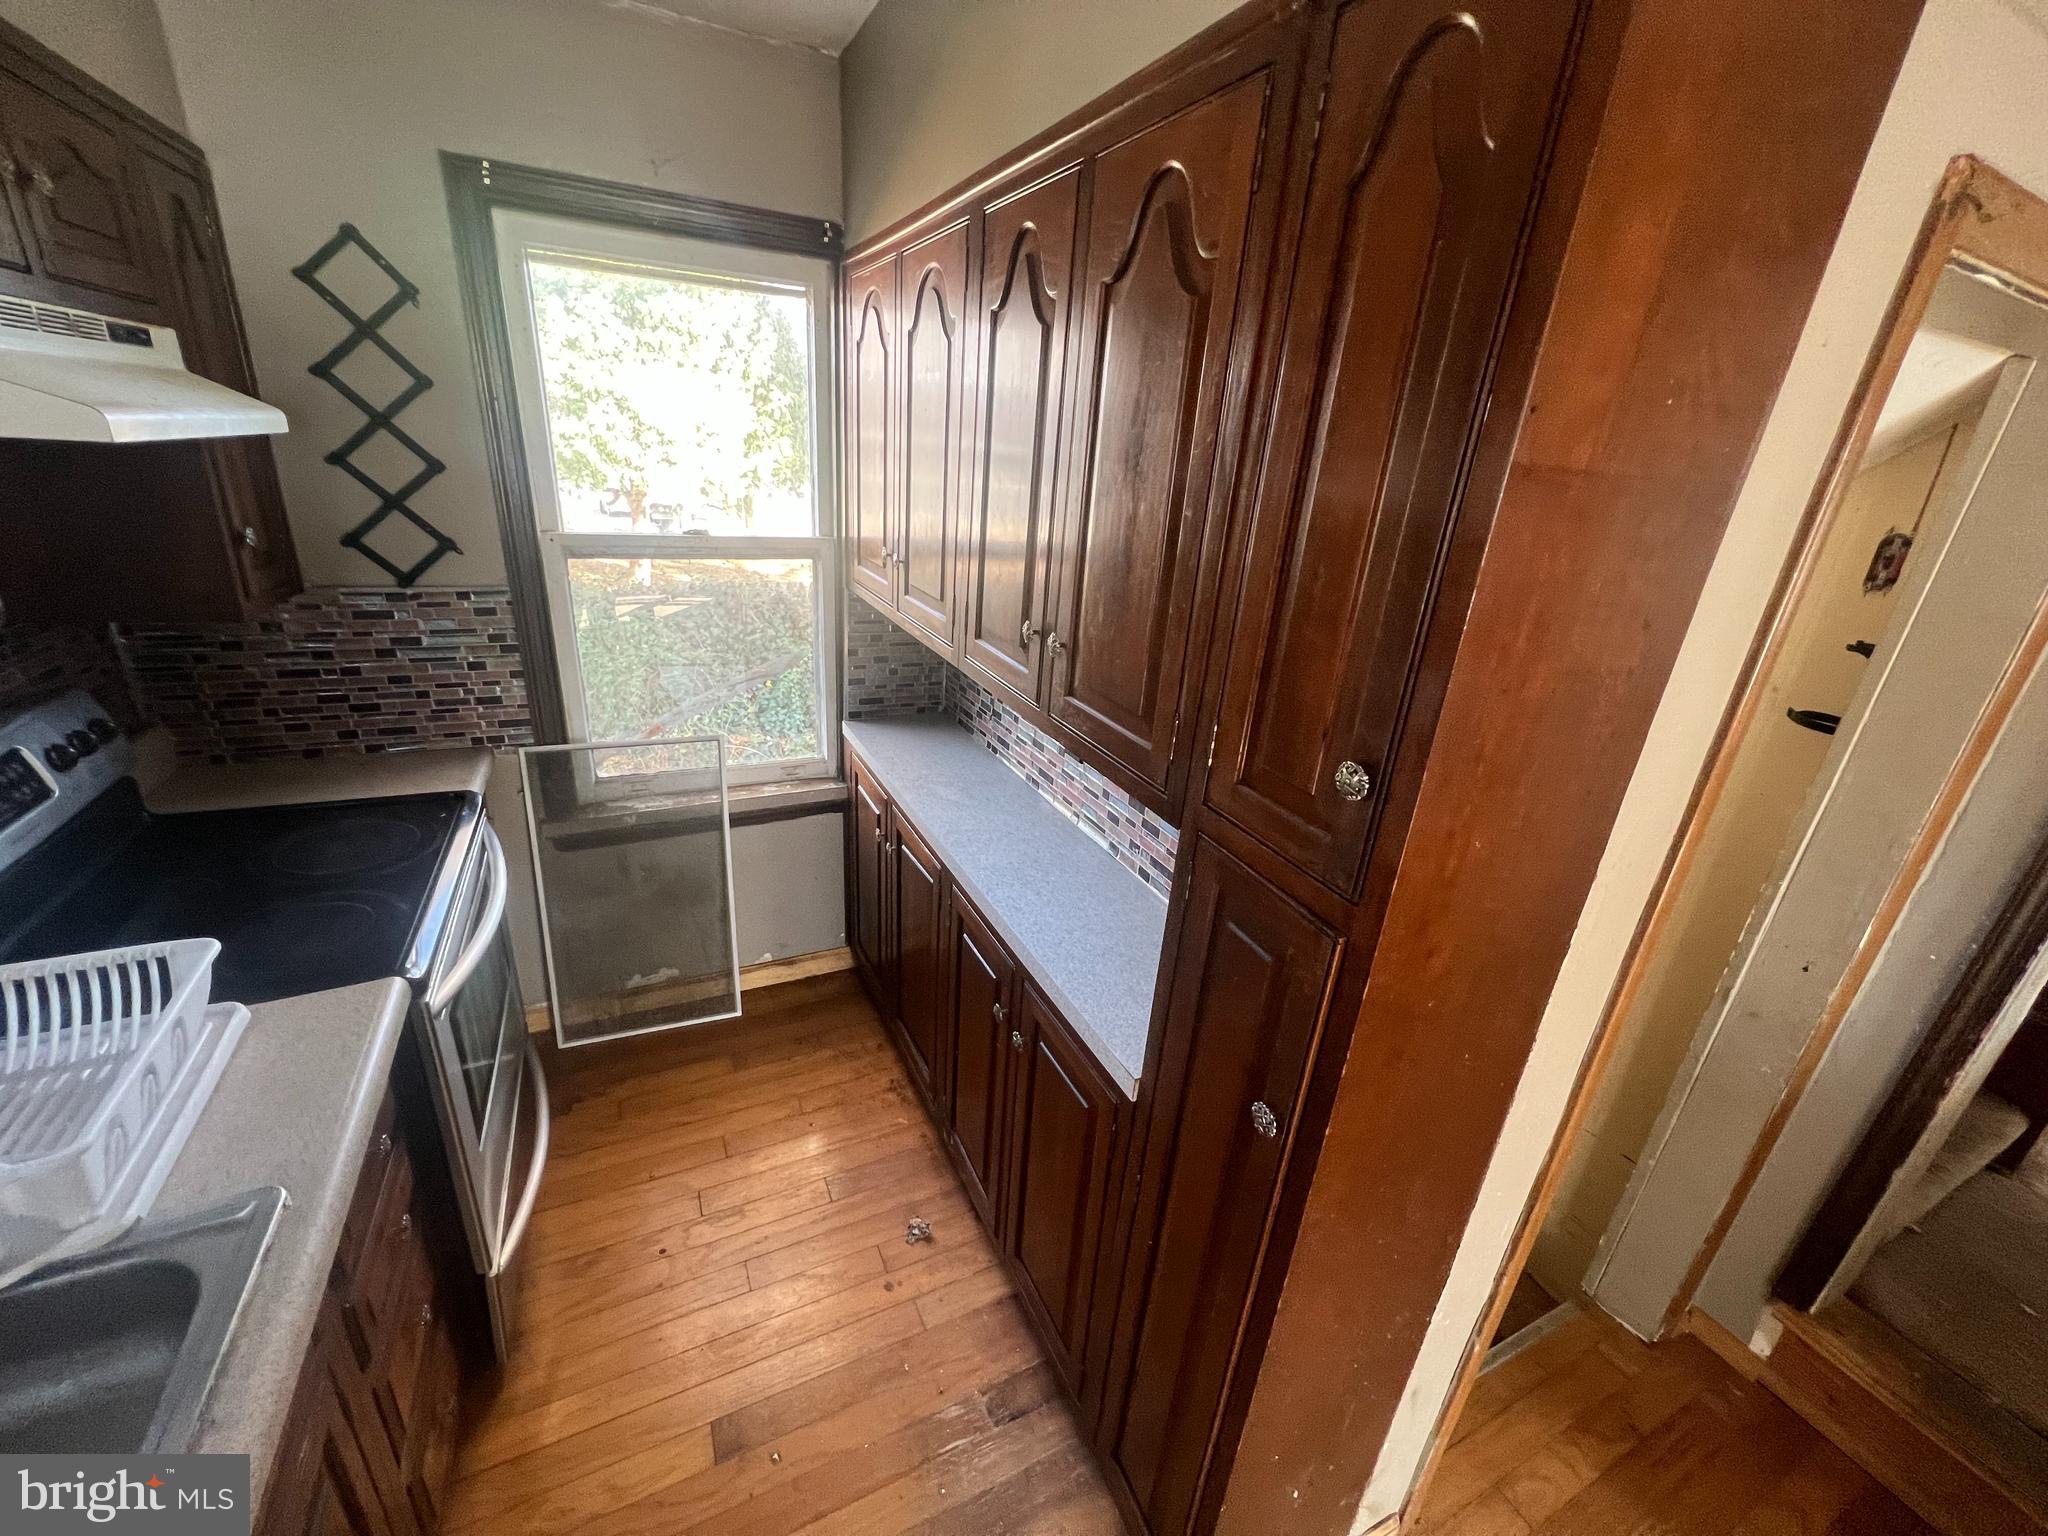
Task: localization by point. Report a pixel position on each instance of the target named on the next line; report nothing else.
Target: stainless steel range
(302, 898)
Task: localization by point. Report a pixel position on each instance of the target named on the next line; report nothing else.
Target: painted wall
(935, 89)
(120, 43)
(1971, 82)
(314, 114)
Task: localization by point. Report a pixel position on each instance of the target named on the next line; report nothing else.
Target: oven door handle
(515, 1231)
(486, 929)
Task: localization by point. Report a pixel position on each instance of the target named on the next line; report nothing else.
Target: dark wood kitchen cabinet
(369, 1438)
(917, 953)
(102, 208)
(76, 178)
(1422, 171)
(870, 430)
(867, 876)
(932, 278)
(1233, 330)
(1065, 1115)
(1030, 1117)
(983, 997)
(1027, 260)
(1245, 1006)
(1169, 215)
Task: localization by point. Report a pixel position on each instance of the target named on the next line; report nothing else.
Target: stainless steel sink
(114, 1351)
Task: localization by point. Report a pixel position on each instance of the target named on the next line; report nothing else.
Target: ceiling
(824, 25)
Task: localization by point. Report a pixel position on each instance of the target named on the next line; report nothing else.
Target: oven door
(478, 1052)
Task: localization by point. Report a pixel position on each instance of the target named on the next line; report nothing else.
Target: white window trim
(618, 246)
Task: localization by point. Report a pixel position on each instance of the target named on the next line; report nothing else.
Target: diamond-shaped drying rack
(392, 501)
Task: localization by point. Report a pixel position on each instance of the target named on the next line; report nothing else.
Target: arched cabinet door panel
(1027, 259)
(1425, 163)
(935, 355)
(1170, 210)
(871, 431)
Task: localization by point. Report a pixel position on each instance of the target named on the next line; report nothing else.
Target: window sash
(521, 235)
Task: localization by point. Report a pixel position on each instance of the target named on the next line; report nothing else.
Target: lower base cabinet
(369, 1440)
(1034, 1124)
(1065, 1119)
(982, 985)
(1246, 1006)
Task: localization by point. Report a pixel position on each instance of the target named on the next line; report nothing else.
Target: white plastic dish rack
(107, 1061)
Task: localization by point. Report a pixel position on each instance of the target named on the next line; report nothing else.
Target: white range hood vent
(68, 375)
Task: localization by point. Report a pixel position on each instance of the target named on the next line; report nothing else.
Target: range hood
(68, 375)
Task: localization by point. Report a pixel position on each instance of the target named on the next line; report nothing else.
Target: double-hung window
(674, 401)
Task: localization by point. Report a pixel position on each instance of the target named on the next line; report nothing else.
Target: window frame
(519, 233)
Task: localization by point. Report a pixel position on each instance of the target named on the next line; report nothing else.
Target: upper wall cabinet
(104, 209)
(70, 168)
(870, 431)
(1166, 235)
(1027, 263)
(932, 281)
(1425, 162)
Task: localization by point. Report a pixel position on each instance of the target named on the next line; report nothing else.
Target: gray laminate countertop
(190, 786)
(1086, 929)
(294, 1107)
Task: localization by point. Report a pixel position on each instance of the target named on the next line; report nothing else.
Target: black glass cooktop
(302, 898)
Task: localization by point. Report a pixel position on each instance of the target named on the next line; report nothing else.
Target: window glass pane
(675, 405)
(688, 647)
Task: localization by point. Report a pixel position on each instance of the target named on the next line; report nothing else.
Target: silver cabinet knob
(1264, 1121)
(249, 535)
(1016, 1040)
(405, 1222)
(41, 180)
(384, 1145)
(1056, 645)
(1002, 1014)
(1028, 633)
(1352, 780)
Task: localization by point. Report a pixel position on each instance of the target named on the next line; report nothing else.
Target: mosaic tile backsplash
(1134, 836)
(887, 672)
(37, 663)
(338, 670)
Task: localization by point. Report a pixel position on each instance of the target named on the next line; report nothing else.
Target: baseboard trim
(768, 973)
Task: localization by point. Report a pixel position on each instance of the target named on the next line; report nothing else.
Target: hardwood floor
(724, 1329)
(1591, 1432)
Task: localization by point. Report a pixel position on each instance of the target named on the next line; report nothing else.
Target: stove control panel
(23, 786)
(55, 759)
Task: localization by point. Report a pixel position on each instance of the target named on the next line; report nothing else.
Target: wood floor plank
(726, 1328)
(1592, 1432)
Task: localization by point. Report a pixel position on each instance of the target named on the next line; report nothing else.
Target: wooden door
(983, 986)
(199, 301)
(1169, 213)
(73, 176)
(936, 350)
(918, 952)
(870, 427)
(1246, 1005)
(867, 865)
(1027, 260)
(1065, 1113)
(1425, 162)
